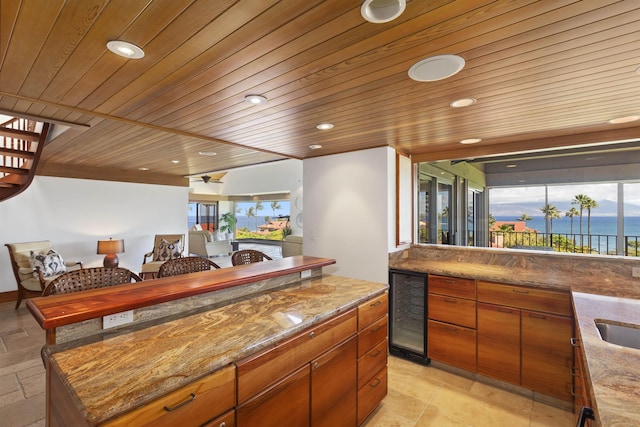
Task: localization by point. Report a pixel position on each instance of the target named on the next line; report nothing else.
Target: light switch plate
(635, 271)
(117, 319)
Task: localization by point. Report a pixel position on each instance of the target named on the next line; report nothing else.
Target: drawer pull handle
(375, 383)
(574, 342)
(312, 334)
(376, 329)
(450, 281)
(375, 304)
(451, 301)
(520, 291)
(505, 310)
(190, 399)
(450, 329)
(377, 352)
(315, 365)
(537, 316)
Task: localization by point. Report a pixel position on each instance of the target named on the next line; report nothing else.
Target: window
(204, 214)
(262, 219)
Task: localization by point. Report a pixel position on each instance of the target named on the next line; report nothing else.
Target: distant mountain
(515, 209)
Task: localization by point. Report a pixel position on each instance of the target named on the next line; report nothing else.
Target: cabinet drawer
(453, 345)
(226, 420)
(371, 394)
(192, 404)
(373, 361)
(452, 310)
(372, 310)
(288, 399)
(371, 336)
(545, 300)
(258, 372)
(452, 286)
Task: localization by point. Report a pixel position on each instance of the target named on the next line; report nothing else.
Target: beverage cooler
(408, 315)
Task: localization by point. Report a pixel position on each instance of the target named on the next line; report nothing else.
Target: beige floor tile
(25, 412)
(432, 417)
(385, 417)
(8, 384)
(500, 397)
(406, 406)
(548, 416)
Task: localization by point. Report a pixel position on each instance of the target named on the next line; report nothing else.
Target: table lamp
(110, 248)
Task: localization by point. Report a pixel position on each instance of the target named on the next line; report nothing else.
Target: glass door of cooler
(408, 314)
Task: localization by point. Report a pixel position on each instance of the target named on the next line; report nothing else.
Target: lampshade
(110, 246)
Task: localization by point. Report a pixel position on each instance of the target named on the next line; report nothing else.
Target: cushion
(168, 250)
(51, 263)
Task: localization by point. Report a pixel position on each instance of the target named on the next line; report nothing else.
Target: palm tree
(249, 212)
(550, 213)
(259, 207)
(571, 213)
(492, 220)
(275, 206)
(591, 204)
(524, 217)
(581, 200)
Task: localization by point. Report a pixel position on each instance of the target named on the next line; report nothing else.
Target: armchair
(32, 279)
(89, 278)
(165, 247)
(202, 243)
(291, 245)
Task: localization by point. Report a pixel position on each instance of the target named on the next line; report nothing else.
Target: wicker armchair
(248, 256)
(90, 278)
(165, 247)
(185, 265)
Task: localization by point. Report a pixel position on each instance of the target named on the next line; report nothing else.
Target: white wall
(349, 212)
(75, 213)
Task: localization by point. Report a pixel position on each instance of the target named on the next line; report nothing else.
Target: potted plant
(286, 231)
(228, 224)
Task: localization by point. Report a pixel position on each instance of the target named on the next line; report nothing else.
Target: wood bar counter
(181, 370)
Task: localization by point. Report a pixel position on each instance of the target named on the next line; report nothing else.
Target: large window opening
(263, 219)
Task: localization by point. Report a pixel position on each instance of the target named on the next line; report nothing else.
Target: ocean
(602, 225)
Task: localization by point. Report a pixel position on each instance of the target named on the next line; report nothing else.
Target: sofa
(203, 243)
(291, 245)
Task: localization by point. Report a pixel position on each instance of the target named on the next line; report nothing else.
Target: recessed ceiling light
(436, 68)
(380, 11)
(626, 119)
(125, 49)
(512, 166)
(207, 153)
(315, 146)
(470, 141)
(464, 102)
(175, 161)
(324, 126)
(143, 169)
(255, 99)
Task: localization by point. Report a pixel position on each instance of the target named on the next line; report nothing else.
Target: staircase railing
(21, 145)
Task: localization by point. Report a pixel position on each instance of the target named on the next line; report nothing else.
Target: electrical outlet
(635, 271)
(305, 274)
(117, 319)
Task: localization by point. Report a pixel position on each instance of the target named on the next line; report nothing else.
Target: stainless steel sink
(626, 335)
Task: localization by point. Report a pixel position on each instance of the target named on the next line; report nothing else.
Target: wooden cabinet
(524, 337)
(303, 380)
(372, 355)
(452, 321)
(194, 404)
(581, 389)
(499, 342)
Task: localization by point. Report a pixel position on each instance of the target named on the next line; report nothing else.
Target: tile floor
(419, 396)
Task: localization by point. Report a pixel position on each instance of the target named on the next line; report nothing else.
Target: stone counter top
(122, 372)
(613, 371)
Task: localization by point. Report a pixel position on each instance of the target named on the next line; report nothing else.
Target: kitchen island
(99, 378)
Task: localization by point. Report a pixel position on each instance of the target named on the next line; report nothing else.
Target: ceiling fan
(208, 179)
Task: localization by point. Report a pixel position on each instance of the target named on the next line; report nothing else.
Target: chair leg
(20, 296)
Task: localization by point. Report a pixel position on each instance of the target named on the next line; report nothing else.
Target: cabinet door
(547, 355)
(453, 345)
(285, 404)
(333, 387)
(499, 342)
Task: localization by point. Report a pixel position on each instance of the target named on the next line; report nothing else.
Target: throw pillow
(50, 264)
(168, 250)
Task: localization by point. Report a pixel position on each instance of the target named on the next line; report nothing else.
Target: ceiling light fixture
(207, 153)
(470, 141)
(463, 102)
(512, 166)
(315, 146)
(175, 162)
(255, 99)
(324, 126)
(626, 119)
(125, 49)
(380, 11)
(143, 169)
(436, 68)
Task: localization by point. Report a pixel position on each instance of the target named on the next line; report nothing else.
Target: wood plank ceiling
(544, 73)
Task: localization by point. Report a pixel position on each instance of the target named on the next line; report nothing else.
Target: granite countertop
(124, 371)
(613, 370)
